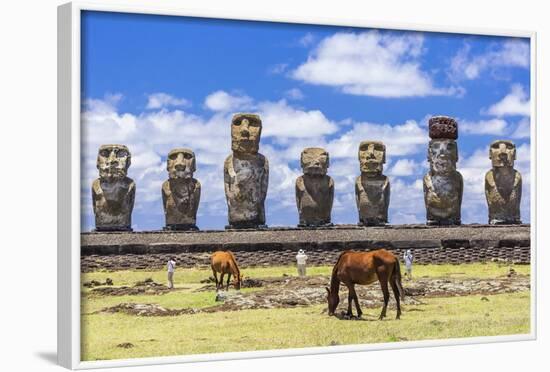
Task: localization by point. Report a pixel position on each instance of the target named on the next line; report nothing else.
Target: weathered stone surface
(181, 192)
(503, 184)
(372, 188)
(443, 184)
(314, 189)
(272, 247)
(246, 174)
(443, 127)
(289, 292)
(113, 193)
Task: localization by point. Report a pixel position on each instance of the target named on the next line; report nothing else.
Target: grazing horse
(224, 262)
(365, 268)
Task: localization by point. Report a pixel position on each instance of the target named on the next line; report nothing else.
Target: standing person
(408, 258)
(171, 268)
(301, 258)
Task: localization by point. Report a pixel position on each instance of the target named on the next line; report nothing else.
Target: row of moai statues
(246, 175)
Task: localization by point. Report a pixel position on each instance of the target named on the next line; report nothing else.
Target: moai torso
(372, 188)
(503, 185)
(443, 184)
(443, 198)
(314, 189)
(113, 193)
(181, 192)
(246, 174)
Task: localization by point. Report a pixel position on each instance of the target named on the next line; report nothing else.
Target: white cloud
(402, 139)
(307, 39)
(510, 53)
(161, 100)
(281, 119)
(370, 63)
(295, 94)
(492, 126)
(523, 129)
(514, 103)
(405, 167)
(225, 102)
(278, 68)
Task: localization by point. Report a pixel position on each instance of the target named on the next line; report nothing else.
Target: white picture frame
(69, 110)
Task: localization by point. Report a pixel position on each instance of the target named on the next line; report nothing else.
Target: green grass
(438, 318)
(287, 328)
(171, 300)
(187, 276)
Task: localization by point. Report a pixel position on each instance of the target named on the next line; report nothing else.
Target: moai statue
(246, 174)
(181, 193)
(503, 184)
(314, 189)
(443, 184)
(372, 188)
(113, 193)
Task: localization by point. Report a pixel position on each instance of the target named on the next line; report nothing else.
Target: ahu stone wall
(278, 246)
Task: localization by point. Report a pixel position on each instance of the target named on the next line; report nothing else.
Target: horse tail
(396, 277)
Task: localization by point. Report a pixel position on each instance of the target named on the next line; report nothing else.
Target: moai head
(113, 162)
(442, 150)
(246, 130)
(181, 164)
(372, 157)
(314, 161)
(442, 155)
(502, 153)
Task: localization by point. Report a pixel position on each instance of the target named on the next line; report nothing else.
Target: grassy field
(188, 277)
(436, 318)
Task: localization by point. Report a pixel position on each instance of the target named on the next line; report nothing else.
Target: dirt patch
(146, 287)
(146, 310)
(95, 283)
(289, 292)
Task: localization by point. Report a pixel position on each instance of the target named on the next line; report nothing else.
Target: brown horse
(365, 268)
(224, 262)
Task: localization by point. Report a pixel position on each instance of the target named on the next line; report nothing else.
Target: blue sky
(157, 82)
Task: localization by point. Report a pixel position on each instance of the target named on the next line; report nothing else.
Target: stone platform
(278, 246)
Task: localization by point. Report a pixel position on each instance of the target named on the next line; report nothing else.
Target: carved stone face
(315, 161)
(372, 157)
(246, 130)
(113, 161)
(181, 164)
(502, 153)
(442, 155)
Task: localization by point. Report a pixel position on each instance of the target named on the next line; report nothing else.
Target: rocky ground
(287, 292)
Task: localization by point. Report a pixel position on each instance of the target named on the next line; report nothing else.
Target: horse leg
(215, 278)
(228, 278)
(359, 312)
(222, 274)
(350, 299)
(385, 291)
(395, 290)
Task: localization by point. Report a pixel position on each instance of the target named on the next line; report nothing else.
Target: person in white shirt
(408, 258)
(171, 268)
(301, 258)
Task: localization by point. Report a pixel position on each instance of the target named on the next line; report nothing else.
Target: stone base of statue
(113, 229)
(505, 222)
(181, 227)
(372, 222)
(315, 225)
(248, 225)
(443, 222)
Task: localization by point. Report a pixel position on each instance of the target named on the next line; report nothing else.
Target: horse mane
(334, 282)
(234, 262)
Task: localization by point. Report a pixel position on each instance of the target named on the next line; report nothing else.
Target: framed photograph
(232, 186)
